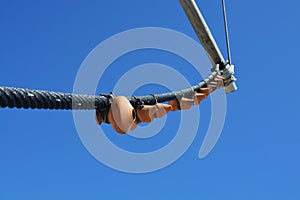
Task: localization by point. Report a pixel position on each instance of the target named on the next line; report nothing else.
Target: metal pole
(226, 31)
(202, 31)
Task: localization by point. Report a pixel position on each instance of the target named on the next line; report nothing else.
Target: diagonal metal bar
(200, 27)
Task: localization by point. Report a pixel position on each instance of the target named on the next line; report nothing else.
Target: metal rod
(226, 31)
(202, 31)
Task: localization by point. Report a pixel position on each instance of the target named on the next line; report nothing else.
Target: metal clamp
(228, 74)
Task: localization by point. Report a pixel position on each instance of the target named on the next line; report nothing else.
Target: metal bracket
(228, 74)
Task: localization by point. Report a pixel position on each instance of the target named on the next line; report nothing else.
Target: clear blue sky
(43, 44)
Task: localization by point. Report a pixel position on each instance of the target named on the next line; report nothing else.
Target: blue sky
(257, 157)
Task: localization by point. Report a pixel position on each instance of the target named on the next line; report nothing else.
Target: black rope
(226, 32)
(25, 98)
(37, 99)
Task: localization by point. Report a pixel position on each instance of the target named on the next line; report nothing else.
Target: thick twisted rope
(37, 99)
